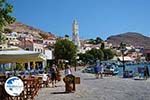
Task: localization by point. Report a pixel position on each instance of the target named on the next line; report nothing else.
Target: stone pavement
(108, 88)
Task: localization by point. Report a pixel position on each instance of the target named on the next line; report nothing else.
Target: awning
(20, 56)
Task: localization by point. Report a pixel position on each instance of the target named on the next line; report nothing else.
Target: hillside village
(19, 36)
(74, 50)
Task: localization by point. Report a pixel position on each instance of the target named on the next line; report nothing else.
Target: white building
(48, 54)
(12, 40)
(3, 46)
(49, 42)
(107, 45)
(38, 47)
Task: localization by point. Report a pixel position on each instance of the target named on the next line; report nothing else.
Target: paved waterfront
(108, 88)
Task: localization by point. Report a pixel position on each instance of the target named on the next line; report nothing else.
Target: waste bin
(69, 83)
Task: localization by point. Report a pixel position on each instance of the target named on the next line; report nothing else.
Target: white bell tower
(75, 34)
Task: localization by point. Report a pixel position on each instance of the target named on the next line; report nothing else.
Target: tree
(2, 38)
(86, 58)
(7, 30)
(102, 46)
(92, 41)
(108, 54)
(95, 41)
(5, 17)
(66, 36)
(97, 53)
(65, 49)
(91, 56)
(98, 40)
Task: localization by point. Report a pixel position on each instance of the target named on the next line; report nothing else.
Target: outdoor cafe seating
(32, 84)
(31, 87)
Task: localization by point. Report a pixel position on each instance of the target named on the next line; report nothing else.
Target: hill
(23, 28)
(132, 38)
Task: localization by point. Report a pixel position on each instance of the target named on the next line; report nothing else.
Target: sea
(133, 67)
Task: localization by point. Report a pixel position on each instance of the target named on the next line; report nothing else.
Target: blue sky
(101, 18)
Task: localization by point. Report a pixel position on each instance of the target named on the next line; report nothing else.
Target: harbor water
(133, 68)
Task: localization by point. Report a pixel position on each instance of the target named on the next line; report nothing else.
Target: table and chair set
(32, 85)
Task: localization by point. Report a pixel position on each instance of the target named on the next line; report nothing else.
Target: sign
(77, 80)
(14, 86)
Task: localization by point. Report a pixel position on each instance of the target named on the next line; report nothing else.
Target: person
(68, 70)
(58, 76)
(45, 79)
(53, 71)
(146, 72)
(32, 70)
(98, 70)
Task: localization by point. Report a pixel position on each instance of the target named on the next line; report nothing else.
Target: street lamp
(122, 48)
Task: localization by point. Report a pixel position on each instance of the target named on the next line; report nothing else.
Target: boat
(112, 68)
(107, 69)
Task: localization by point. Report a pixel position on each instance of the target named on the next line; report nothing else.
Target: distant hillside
(20, 27)
(135, 39)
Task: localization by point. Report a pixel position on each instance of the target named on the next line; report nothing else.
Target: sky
(96, 18)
